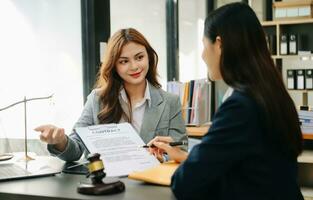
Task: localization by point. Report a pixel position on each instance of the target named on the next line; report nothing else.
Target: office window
(40, 55)
(148, 17)
(191, 23)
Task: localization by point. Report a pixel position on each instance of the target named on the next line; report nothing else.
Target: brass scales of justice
(8, 156)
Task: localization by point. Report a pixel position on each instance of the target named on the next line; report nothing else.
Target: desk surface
(63, 186)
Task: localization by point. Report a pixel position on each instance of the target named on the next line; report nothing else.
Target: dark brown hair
(110, 83)
(246, 65)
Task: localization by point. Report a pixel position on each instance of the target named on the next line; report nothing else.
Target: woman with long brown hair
(127, 90)
(251, 149)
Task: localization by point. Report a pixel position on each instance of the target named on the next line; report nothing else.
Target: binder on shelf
(303, 42)
(291, 79)
(190, 99)
(293, 44)
(309, 79)
(267, 37)
(185, 101)
(271, 43)
(300, 79)
(284, 44)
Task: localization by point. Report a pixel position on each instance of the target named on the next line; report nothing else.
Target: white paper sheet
(119, 146)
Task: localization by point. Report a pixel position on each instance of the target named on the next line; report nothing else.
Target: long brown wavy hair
(109, 82)
(246, 65)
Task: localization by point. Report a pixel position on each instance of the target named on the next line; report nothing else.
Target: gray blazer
(162, 118)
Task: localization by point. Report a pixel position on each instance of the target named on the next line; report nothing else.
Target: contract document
(120, 148)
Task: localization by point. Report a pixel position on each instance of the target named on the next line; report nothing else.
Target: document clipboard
(120, 148)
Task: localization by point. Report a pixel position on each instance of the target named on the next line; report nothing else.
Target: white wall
(148, 17)
(41, 54)
(259, 8)
(191, 23)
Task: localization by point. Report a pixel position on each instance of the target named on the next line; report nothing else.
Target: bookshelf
(305, 98)
(201, 131)
(297, 26)
(288, 22)
(300, 27)
(289, 56)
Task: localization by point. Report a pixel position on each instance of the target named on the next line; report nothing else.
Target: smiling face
(211, 55)
(133, 64)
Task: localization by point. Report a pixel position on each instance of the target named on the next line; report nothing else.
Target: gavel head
(95, 168)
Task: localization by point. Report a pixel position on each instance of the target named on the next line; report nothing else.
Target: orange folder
(160, 174)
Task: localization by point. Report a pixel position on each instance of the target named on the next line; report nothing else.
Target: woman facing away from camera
(251, 149)
(127, 90)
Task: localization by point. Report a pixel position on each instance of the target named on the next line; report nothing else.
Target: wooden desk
(308, 136)
(197, 131)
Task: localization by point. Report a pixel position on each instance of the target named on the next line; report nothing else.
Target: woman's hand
(161, 144)
(53, 135)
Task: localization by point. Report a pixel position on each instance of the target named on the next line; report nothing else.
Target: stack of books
(306, 120)
(195, 98)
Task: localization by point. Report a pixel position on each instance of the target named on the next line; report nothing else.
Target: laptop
(21, 170)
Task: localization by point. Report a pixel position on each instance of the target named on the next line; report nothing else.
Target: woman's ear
(218, 42)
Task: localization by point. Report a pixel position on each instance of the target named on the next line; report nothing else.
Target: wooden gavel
(96, 174)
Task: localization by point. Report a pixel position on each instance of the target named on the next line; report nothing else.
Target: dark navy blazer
(234, 160)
